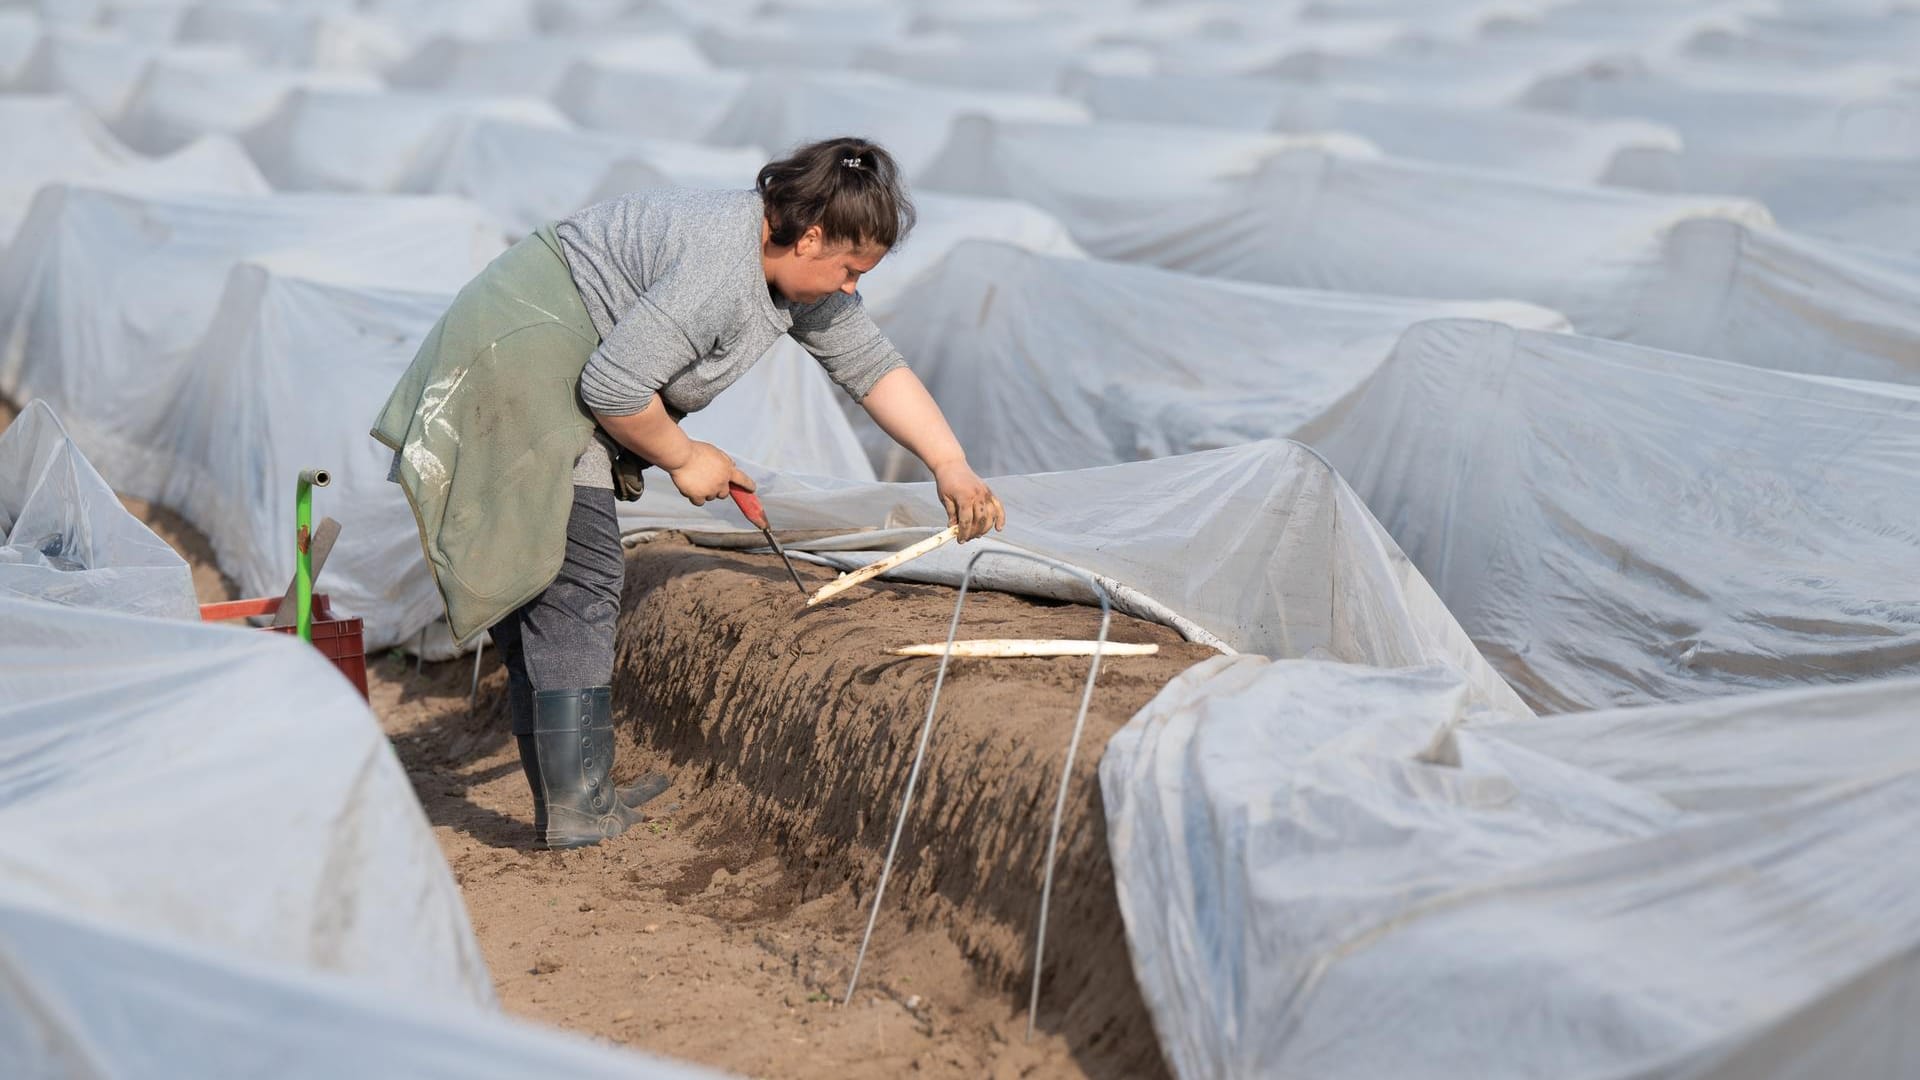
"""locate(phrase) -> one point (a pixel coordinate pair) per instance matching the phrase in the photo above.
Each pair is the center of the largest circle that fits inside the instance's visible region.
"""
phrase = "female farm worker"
(564, 369)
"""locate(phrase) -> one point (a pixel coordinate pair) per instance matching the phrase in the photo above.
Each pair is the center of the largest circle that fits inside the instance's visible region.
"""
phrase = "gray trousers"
(563, 638)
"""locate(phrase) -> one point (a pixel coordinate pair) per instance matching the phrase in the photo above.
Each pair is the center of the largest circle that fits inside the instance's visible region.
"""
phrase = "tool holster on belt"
(629, 480)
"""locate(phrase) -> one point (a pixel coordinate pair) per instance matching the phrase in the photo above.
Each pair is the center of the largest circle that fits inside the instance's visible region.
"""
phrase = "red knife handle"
(749, 505)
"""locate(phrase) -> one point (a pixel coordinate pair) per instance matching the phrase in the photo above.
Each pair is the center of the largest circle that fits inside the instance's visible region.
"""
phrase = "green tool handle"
(303, 556)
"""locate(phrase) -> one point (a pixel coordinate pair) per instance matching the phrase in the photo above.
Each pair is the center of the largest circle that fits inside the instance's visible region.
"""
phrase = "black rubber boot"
(520, 701)
(571, 771)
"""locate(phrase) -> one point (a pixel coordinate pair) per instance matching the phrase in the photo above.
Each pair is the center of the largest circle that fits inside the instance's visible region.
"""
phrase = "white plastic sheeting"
(19, 34)
(1481, 72)
(800, 41)
(181, 98)
(216, 866)
(1775, 299)
(1862, 201)
(51, 140)
(1113, 185)
(536, 67)
(96, 69)
(294, 38)
(1818, 34)
(203, 348)
(286, 378)
(949, 221)
(779, 111)
(1533, 143)
(1319, 215)
(529, 174)
(1251, 45)
(1047, 363)
(65, 538)
(1623, 526)
(1332, 583)
(1700, 274)
(245, 339)
(1628, 28)
(224, 788)
(323, 140)
(661, 105)
(1339, 871)
(1010, 66)
(418, 19)
(104, 291)
(1864, 121)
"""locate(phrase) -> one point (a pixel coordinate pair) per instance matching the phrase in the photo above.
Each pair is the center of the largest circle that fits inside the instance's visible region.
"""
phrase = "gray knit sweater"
(673, 282)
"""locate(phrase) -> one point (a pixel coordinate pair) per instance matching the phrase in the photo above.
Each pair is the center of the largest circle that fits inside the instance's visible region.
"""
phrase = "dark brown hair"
(849, 187)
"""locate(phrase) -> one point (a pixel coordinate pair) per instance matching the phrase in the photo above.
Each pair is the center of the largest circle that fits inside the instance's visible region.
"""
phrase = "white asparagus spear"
(1007, 647)
(905, 555)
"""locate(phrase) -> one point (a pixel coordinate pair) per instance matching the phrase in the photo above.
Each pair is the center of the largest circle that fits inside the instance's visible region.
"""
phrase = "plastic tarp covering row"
(1622, 526)
(1460, 71)
(658, 104)
(529, 174)
(1865, 201)
(51, 140)
(216, 866)
(1339, 871)
(19, 35)
(204, 350)
(1870, 120)
(65, 538)
(1041, 362)
(1002, 65)
(1701, 274)
(302, 844)
(182, 97)
(319, 140)
(1334, 585)
(1531, 143)
(538, 67)
(910, 119)
(99, 69)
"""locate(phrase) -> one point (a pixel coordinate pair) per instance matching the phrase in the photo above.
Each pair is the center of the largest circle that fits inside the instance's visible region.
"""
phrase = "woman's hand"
(970, 503)
(706, 474)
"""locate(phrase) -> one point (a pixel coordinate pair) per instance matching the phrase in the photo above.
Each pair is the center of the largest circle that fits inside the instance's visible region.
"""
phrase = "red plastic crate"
(340, 639)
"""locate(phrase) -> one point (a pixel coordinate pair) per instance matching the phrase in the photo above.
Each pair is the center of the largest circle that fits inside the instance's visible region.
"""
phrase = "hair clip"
(850, 162)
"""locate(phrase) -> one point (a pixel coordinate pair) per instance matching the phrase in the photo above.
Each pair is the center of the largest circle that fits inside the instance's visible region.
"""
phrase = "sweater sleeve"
(842, 336)
(649, 344)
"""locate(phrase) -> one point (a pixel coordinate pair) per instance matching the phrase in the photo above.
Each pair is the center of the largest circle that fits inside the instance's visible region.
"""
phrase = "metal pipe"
(303, 554)
(473, 691)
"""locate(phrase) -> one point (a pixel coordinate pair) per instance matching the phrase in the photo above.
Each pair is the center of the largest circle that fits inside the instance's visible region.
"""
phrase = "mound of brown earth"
(725, 930)
(817, 724)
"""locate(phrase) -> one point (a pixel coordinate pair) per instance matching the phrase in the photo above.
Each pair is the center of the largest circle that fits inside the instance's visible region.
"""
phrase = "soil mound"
(722, 671)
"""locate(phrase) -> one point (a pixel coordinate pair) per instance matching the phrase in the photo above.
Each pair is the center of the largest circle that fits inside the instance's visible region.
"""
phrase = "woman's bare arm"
(900, 404)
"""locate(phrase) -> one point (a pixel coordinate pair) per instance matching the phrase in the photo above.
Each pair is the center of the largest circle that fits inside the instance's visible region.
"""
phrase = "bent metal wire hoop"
(1066, 770)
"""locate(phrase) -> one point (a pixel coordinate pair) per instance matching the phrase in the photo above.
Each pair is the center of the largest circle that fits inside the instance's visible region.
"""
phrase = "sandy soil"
(723, 930)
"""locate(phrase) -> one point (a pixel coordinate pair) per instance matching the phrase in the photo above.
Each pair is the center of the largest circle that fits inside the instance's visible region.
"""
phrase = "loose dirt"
(723, 931)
